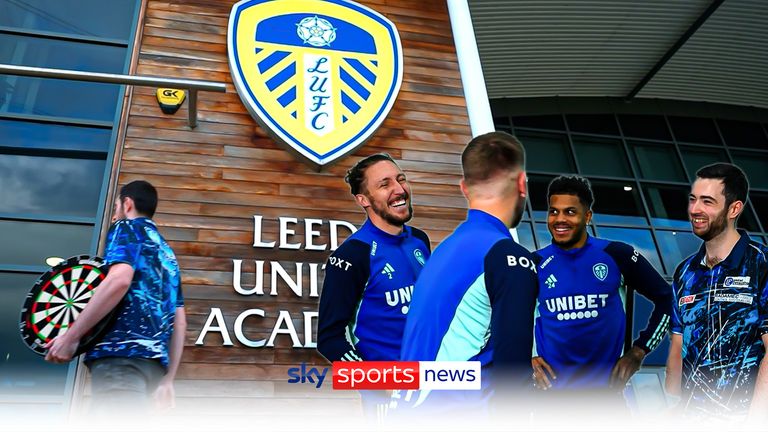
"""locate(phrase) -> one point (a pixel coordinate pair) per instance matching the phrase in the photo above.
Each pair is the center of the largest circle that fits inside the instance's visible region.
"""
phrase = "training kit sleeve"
(640, 275)
(346, 274)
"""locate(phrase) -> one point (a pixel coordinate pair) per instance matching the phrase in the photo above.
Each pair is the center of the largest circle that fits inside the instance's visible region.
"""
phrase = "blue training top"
(474, 300)
(145, 315)
(581, 313)
(722, 315)
(367, 293)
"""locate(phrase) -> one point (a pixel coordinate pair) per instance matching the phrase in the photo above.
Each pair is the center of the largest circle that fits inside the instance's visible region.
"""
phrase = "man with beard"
(474, 299)
(369, 279)
(720, 313)
(581, 312)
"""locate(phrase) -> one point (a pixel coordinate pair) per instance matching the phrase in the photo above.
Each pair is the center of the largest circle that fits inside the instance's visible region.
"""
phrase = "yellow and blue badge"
(319, 75)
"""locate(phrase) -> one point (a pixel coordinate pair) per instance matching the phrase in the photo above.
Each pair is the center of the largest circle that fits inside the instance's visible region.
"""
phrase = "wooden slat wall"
(213, 179)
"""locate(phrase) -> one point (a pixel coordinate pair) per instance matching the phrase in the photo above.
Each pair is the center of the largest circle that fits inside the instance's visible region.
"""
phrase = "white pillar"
(472, 79)
(475, 94)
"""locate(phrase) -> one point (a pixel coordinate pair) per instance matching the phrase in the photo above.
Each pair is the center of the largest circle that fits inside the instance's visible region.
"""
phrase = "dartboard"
(57, 299)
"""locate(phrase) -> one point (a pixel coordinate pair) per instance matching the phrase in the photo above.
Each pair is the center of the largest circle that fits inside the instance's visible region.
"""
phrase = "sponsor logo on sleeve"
(686, 300)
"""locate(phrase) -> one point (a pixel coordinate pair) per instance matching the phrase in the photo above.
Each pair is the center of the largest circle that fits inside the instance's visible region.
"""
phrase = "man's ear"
(362, 200)
(735, 209)
(128, 205)
(522, 184)
(464, 189)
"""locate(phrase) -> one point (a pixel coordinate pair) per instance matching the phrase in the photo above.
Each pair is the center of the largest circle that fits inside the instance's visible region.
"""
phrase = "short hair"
(736, 185)
(572, 185)
(144, 196)
(488, 154)
(356, 175)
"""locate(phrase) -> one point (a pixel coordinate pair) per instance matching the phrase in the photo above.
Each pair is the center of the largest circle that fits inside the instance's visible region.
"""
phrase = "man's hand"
(543, 374)
(165, 395)
(61, 349)
(627, 365)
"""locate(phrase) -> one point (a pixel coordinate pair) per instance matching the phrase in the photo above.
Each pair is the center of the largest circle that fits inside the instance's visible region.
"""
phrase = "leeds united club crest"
(320, 76)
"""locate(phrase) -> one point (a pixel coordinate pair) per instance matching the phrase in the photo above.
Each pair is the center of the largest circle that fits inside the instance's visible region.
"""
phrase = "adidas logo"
(551, 281)
(388, 270)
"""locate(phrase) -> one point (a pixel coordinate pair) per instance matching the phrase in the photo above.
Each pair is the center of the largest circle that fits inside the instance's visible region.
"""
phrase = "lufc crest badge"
(600, 270)
(319, 75)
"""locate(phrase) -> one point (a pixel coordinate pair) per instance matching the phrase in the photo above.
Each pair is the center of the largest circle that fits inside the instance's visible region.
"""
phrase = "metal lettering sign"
(319, 75)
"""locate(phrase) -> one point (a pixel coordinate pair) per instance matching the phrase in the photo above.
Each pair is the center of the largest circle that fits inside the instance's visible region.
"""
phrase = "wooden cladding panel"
(213, 179)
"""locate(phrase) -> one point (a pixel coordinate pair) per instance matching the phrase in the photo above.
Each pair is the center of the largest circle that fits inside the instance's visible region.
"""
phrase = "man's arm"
(673, 380)
(642, 277)
(346, 273)
(165, 394)
(105, 297)
(512, 285)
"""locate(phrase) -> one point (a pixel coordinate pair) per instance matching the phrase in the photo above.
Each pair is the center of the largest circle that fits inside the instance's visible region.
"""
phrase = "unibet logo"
(576, 307)
(170, 99)
(400, 296)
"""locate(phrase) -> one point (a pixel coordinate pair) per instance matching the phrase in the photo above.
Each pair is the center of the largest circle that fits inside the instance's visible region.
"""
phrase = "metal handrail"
(193, 86)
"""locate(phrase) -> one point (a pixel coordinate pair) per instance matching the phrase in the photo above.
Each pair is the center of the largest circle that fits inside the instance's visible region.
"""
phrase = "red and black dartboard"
(57, 299)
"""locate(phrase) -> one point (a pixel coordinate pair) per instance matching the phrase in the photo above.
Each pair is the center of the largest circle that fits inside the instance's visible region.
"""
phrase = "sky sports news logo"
(392, 375)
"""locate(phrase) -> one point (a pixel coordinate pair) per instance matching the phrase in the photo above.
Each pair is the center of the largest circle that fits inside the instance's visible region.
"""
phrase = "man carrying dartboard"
(136, 359)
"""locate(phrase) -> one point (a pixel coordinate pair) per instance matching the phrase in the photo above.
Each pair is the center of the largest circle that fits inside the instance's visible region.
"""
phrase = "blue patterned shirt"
(722, 314)
(145, 315)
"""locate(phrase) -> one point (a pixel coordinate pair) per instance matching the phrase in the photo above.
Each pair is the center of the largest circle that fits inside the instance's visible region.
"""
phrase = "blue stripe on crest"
(287, 97)
(352, 83)
(362, 70)
(272, 60)
(349, 103)
(282, 77)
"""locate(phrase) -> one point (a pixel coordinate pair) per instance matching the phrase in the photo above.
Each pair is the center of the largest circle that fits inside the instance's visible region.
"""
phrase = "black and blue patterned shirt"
(145, 315)
(721, 313)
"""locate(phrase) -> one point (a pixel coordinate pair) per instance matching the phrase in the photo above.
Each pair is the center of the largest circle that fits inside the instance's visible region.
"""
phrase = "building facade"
(252, 225)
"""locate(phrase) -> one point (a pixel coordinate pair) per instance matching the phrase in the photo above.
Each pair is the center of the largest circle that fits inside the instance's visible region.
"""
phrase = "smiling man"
(720, 314)
(369, 279)
(581, 313)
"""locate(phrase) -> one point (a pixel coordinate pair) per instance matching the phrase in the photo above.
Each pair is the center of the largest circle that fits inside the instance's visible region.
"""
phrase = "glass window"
(22, 372)
(537, 194)
(542, 232)
(754, 165)
(592, 123)
(50, 97)
(53, 136)
(675, 246)
(87, 18)
(525, 236)
(35, 185)
(644, 126)
(639, 238)
(539, 122)
(697, 157)
(694, 129)
(33, 242)
(743, 134)
(502, 124)
(547, 152)
(617, 202)
(657, 161)
(760, 202)
(602, 157)
(668, 205)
